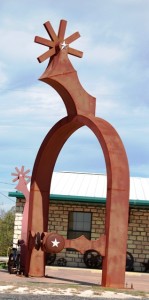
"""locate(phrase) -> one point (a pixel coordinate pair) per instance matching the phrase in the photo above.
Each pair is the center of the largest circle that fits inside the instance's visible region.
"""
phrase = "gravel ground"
(56, 297)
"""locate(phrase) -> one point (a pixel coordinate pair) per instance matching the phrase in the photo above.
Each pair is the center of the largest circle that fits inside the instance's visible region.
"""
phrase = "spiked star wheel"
(57, 42)
(21, 174)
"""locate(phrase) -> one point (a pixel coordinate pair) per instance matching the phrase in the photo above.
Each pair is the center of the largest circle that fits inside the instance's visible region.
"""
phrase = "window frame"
(86, 233)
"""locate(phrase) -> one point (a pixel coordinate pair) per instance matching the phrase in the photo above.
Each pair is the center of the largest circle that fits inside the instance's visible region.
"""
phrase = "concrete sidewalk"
(134, 281)
(64, 275)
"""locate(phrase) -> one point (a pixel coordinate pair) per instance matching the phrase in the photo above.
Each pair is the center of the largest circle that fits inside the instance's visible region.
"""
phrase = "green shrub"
(6, 230)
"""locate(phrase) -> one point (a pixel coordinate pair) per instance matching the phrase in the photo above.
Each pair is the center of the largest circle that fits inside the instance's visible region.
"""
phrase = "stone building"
(77, 206)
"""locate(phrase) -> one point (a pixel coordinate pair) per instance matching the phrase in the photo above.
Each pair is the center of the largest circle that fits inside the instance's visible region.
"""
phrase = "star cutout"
(63, 45)
(57, 42)
(55, 243)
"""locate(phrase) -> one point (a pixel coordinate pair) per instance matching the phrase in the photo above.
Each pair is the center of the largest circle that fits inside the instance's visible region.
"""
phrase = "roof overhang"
(83, 199)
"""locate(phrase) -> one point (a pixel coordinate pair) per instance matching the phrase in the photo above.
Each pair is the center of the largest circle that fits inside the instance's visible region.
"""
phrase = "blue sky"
(114, 69)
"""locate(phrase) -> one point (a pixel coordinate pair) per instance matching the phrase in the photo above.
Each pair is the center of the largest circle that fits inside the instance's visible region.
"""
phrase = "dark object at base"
(92, 259)
(50, 258)
(62, 262)
(146, 265)
(129, 261)
(37, 241)
(14, 262)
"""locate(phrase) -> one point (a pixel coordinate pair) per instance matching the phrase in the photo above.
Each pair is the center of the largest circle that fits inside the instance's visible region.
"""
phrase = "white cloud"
(3, 75)
(32, 102)
(106, 54)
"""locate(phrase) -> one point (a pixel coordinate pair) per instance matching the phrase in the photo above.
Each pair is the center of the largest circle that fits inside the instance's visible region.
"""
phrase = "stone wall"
(18, 221)
(138, 236)
(138, 229)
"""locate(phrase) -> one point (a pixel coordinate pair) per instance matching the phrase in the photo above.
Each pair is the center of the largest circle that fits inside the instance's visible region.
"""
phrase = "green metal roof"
(83, 199)
(91, 188)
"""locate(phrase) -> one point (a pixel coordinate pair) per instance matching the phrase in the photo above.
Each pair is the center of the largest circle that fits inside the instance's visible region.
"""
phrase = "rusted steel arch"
(117, 193)
(80, 107)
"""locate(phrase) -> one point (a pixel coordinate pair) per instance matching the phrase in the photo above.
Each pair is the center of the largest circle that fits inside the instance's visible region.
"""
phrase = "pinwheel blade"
(43, 41)
(72, 38)
(50, 31)
(15, 179)
(27, 171)
(17, 170)
(14, 174)
(46, 55)
(75, 52)
(62, 29)
(27, 176)
(22, 169)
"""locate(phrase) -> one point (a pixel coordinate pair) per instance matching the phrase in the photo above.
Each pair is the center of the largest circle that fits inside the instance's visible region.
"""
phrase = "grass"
(3, 265)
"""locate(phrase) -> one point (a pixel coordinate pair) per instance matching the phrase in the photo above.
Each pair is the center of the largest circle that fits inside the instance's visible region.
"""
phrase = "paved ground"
(69, 279)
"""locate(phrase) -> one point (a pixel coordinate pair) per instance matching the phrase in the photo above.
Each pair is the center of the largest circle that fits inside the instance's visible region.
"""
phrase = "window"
(79, 223)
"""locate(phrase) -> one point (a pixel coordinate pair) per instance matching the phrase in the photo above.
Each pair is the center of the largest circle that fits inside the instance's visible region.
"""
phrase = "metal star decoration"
(57, 42)
(55, 243)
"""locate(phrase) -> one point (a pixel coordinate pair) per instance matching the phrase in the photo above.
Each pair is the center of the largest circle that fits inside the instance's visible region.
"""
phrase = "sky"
(114, 69)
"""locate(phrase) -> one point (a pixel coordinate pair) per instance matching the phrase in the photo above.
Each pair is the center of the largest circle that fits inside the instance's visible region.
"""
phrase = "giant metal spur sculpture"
(80, 107)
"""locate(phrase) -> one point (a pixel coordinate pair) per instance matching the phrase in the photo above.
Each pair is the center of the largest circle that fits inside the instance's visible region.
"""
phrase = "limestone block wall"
(138, 236)
(18, 221)
(138, 229)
